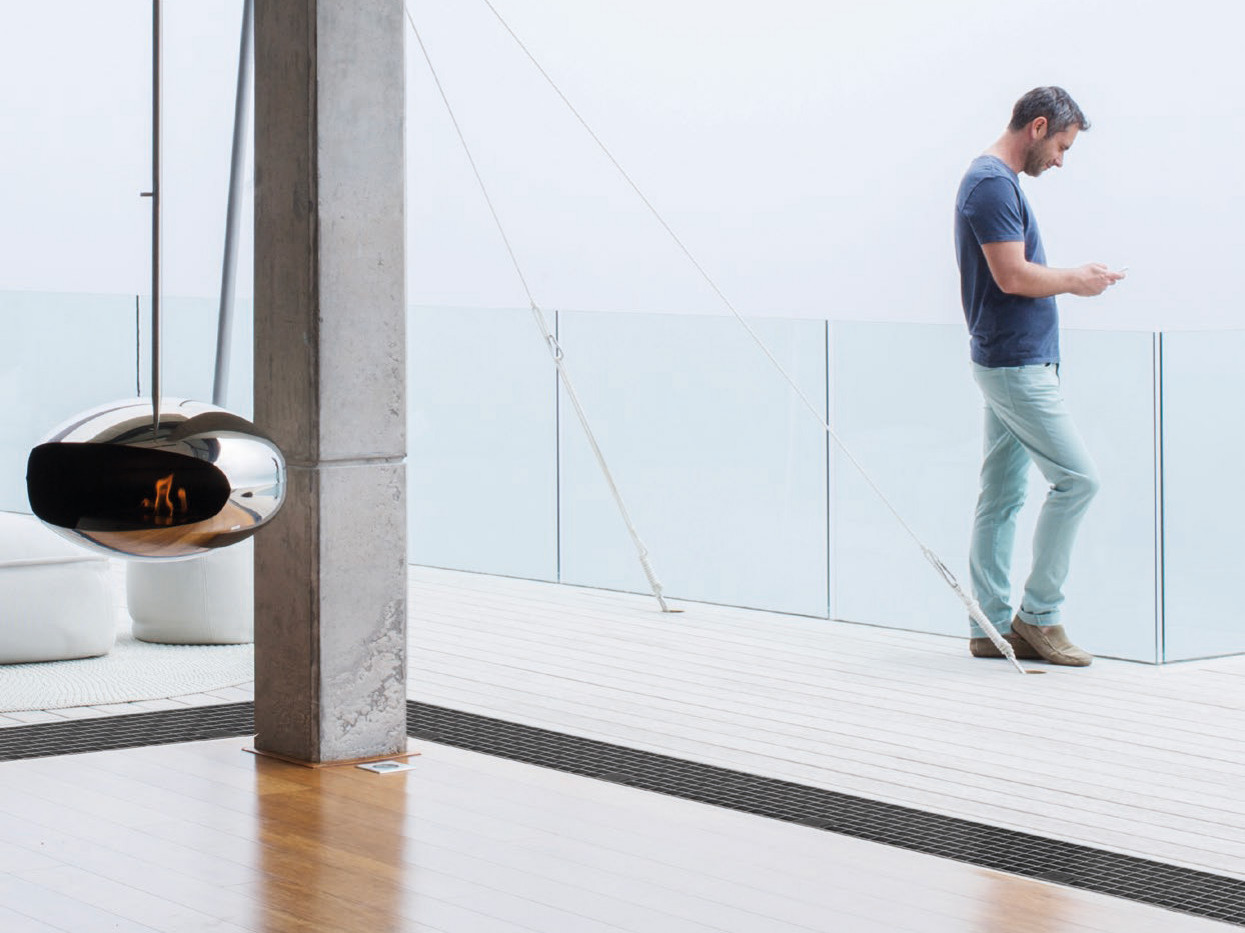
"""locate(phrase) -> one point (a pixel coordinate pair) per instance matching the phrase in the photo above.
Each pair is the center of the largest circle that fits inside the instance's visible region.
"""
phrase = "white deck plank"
(773, 687)
(1126, 756)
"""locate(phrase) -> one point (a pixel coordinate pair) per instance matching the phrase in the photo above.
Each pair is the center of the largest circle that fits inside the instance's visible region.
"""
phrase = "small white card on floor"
(386, 767)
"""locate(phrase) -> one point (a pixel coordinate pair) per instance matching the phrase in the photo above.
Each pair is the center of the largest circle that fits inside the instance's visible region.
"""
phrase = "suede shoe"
(1051, 642)
(983, 647)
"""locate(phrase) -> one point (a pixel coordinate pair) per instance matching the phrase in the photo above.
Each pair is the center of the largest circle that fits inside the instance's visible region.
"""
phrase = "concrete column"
(330, 348)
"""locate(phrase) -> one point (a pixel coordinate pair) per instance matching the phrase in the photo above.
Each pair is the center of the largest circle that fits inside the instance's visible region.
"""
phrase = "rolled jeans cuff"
(976, 631)
(1040, 618)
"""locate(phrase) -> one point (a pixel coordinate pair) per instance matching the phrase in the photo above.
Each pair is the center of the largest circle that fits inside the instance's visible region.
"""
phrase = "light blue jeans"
(1026, 420)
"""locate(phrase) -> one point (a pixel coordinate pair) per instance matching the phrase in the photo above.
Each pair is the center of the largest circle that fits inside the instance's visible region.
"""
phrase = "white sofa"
(56, 600)
(206, 600)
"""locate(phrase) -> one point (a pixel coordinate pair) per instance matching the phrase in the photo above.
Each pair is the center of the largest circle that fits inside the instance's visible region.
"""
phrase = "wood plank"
(1008, 766)
(1124, 755)
(131, 903)
(890, 677)
(777, 638)
(468, 843)
(60, 910)
(660, 676)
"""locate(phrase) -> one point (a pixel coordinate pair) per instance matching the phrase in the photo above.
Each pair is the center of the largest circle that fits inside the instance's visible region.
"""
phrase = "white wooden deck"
(1139, 759)
(1130, 757)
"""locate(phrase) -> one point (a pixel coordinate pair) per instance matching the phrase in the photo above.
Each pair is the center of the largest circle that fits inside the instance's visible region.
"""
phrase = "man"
(1009, 293)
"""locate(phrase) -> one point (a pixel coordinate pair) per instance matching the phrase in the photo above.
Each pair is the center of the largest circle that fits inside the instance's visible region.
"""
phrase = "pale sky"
(807, 152)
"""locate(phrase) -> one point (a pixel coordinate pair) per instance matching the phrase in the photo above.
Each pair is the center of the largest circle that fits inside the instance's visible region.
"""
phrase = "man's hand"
(1093, 279)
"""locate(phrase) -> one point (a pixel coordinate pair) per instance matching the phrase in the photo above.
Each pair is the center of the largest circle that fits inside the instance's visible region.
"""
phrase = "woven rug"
(133, 670)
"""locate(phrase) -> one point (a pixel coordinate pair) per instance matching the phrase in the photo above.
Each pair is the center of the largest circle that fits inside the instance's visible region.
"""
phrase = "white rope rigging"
(555, 349)
(970, 603)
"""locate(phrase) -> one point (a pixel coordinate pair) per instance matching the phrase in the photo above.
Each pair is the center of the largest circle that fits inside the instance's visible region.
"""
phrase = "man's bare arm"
(1015, 275)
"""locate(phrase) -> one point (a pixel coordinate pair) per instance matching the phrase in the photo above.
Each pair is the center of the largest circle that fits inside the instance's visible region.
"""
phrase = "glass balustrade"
(736, 490)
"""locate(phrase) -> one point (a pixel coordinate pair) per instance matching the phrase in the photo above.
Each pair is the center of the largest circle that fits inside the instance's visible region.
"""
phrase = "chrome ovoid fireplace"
(115, 480)
(159, 478)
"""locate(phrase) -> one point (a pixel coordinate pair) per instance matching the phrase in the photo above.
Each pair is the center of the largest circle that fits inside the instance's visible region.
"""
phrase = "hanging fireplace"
(154, 478)
(112, 480)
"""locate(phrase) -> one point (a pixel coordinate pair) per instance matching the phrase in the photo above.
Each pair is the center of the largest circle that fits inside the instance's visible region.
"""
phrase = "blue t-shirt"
(1007, 330)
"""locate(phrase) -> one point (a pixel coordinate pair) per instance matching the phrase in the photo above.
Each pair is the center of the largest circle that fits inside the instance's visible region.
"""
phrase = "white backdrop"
(807, 151)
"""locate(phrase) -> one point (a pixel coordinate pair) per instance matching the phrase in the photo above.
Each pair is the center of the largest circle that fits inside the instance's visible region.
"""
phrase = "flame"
(162, 508)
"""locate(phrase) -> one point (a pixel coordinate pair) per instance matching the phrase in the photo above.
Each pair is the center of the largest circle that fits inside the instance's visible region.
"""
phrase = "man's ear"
(1038, 127)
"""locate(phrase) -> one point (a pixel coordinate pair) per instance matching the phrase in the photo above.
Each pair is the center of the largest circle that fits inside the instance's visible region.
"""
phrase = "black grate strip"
(1149, 882)
(132, 730)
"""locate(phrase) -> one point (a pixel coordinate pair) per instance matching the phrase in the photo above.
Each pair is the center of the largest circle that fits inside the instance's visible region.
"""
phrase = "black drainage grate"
(1148, 882)
(1005, 850)
(102, 734)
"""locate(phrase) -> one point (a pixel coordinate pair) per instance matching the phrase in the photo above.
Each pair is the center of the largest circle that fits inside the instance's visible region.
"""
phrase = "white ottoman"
(56, 599)
(206, 600)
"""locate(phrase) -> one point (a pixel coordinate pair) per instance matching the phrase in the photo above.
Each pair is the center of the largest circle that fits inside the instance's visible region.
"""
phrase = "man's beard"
(1035, 161)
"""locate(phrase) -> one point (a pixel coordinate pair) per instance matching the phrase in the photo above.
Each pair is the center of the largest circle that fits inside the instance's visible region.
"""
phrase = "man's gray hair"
(1053, 103)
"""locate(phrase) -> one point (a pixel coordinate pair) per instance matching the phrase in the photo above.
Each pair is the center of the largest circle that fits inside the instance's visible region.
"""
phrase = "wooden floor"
(1136, 758)
(206, 837)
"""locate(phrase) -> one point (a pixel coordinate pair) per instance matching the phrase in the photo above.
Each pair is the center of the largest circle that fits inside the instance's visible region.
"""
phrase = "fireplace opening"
(100, 487)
